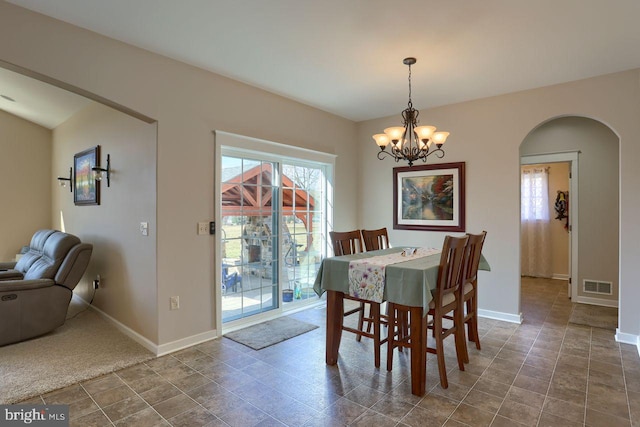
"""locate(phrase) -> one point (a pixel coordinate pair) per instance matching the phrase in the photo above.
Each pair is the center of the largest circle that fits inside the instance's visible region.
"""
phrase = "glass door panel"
(249, 236)
(303, 196)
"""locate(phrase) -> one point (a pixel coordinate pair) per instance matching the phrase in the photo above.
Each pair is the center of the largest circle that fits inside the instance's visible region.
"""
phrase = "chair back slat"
(450, 269)
(472, 256)
(346, 242)
(375, 239)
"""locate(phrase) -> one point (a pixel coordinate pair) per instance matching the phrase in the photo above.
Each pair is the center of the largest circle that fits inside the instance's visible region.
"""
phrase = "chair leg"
(374, 313)
(461, 342)
(403, 327)
(471, 334)
(360, 320)
(391, 334)
(474, 322)
(462, 326)
(437, 329)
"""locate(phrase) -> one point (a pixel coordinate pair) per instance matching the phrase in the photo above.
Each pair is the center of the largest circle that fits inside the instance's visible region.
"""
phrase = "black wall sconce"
(99, 172)
(63, 181)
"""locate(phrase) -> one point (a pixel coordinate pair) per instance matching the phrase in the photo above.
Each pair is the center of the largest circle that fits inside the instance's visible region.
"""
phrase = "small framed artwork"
(86, 188)
(429, 197)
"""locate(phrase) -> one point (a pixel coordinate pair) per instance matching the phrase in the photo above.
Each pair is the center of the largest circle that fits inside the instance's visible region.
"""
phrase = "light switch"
(203, 228)
(144, 228)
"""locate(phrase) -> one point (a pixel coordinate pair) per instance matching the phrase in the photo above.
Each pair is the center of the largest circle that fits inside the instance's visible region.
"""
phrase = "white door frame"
(572, 158)
(270, 151)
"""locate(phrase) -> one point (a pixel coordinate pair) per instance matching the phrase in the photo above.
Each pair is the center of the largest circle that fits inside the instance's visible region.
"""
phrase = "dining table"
(408, 284)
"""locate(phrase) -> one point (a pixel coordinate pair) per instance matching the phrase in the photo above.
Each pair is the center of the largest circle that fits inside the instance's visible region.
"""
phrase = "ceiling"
(345, 57)
(36, 101)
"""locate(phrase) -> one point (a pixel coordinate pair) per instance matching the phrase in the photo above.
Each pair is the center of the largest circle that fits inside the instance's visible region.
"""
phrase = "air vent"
(597, 287)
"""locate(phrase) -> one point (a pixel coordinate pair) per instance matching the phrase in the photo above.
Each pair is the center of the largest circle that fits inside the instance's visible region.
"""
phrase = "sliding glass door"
(273, 231)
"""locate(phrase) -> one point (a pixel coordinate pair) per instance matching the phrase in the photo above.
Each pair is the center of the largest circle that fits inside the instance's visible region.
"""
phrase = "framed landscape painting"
(86, 188)
(429, 197)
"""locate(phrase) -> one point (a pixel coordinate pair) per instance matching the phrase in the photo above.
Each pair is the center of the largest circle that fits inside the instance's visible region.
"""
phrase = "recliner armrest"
(10, 275)
(7, 265)
(24, 285)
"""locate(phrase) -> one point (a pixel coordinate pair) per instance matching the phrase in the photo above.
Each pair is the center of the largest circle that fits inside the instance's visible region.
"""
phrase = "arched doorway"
(592, 148)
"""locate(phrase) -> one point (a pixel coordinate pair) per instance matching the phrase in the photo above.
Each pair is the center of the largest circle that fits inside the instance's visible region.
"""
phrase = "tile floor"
(544, 372)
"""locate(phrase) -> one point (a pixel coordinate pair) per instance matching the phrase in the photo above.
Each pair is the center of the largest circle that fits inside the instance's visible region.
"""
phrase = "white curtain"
(535, 253)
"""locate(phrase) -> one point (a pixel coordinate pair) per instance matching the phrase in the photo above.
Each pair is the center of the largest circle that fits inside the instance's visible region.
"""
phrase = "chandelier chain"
(410, 103)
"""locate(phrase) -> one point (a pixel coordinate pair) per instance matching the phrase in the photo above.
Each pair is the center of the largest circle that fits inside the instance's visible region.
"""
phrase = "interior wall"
(558, 181)
(486, 134)
(188, 103)
(26, 176)
(122, 256)
(598, 181)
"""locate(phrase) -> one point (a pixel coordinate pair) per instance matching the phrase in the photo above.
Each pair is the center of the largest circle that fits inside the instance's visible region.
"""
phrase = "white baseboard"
(146, 343)
(498, 315)
(597, 301)
(559, 276)
(158, 350)
(623, 337)
(182, 343)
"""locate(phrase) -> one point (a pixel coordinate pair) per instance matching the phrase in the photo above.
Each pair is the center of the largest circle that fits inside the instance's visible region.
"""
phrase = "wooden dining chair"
(445, 301)
(375, 239)
(469, 289)
(347, 243)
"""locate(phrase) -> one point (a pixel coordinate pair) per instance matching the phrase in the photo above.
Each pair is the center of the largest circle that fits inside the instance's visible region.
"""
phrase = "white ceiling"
(37, 102)
(345, 56)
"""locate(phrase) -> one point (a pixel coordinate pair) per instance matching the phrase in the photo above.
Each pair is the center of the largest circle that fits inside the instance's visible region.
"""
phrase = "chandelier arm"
(439, 152)
(383, 153)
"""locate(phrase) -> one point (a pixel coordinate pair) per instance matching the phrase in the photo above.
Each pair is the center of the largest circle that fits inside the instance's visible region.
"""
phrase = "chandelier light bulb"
(424, 132)
(382, 139)
(395, 133)
(440, 137)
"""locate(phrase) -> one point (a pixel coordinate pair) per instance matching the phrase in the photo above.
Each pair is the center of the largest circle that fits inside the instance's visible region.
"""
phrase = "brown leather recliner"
(35, 292)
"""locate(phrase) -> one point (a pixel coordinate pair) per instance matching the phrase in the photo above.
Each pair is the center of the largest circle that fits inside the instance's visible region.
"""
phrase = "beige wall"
(124, 259)
(26, 177)
(558, 181)
(486, 134)
(188, 104)
(598, 175)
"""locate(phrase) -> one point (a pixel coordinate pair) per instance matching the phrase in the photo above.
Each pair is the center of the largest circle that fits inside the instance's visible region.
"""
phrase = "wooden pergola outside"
(251, 194)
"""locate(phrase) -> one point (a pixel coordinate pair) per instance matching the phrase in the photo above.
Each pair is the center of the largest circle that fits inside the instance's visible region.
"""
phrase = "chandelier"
(410, 142)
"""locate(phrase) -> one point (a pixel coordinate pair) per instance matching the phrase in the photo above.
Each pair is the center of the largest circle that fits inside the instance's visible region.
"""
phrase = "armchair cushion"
(55, 250)
(36, 248)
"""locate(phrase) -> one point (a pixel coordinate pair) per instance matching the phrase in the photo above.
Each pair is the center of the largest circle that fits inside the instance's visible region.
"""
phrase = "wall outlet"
(144, 228)
(174, 303)
(96, 282)
(203, 228)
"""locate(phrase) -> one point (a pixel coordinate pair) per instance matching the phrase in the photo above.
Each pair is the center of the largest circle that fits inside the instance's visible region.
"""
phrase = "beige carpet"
(595, 316)
(85, 347)
(269, 333)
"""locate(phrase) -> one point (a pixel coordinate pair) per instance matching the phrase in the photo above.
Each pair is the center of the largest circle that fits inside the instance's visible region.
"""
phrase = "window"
(535, 194)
